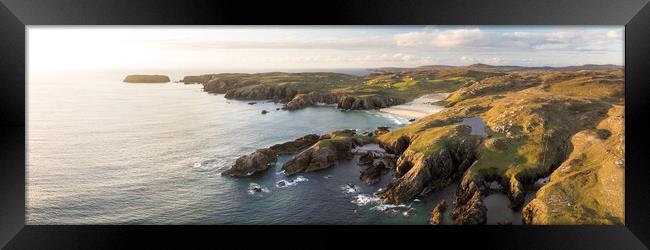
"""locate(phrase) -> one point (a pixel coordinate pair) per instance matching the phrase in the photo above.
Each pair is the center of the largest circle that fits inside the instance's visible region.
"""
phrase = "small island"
(146, 79)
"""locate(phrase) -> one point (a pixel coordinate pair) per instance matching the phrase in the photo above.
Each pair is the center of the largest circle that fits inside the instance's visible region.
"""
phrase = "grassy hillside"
(535, 121)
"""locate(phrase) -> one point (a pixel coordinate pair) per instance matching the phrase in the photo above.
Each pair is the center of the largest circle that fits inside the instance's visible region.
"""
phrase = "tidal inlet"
(437, 125)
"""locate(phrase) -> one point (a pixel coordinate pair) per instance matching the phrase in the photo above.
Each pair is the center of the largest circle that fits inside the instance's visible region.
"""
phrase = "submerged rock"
(254, 188)
(409, 212)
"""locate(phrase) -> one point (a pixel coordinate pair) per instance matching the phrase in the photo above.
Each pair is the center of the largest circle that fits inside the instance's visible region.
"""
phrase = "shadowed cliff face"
(424, 167)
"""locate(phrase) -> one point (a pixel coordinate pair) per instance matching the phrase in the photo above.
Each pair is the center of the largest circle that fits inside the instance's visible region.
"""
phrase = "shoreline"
(418, 108)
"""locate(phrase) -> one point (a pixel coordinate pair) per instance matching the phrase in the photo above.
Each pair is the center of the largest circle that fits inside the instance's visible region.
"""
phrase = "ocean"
(100, 151)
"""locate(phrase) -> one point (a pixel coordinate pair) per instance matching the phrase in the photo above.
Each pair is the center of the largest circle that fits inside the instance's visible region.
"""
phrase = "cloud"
(475, 38)
(438, 38)
(356, 43)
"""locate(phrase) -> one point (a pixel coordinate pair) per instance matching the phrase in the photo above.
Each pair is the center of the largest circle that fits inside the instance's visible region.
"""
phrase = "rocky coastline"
(564, 126)
(533, 130)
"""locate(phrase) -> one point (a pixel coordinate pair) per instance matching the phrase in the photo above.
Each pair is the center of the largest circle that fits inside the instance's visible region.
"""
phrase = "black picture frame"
(15, 15)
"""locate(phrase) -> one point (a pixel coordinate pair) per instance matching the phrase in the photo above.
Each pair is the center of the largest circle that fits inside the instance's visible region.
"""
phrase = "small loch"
(476, 123)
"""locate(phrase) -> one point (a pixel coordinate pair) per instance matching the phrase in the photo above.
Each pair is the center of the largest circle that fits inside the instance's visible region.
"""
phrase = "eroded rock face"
(378, 164)
(262, 159)
(469, 208)
(296, 145)
(438, 213)
(259, 160)
(420, 174)
(261, 92)
(321, 155)
(398, 147)
(326, 152)
(372, 173)
(305, 100)
(372, 102)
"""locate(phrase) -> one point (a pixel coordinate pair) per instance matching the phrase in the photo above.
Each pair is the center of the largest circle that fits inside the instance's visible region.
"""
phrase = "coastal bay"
(458, 124)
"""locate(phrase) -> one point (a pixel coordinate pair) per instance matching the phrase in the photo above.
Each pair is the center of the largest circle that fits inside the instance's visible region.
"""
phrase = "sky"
(54, 48)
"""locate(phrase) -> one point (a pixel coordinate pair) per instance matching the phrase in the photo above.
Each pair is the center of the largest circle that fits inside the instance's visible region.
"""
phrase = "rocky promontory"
(262, 159)
(146, 79)
(314, 153)
(299, 90)
(326, 152)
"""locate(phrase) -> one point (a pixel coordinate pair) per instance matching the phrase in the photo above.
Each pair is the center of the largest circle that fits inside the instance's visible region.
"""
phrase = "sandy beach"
(418, 108)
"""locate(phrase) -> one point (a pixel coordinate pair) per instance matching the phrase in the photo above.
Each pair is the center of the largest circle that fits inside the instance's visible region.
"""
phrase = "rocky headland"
(348, 92)
(564, 124)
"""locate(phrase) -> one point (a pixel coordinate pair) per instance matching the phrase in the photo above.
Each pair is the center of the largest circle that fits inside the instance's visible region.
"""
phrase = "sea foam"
(288, 183)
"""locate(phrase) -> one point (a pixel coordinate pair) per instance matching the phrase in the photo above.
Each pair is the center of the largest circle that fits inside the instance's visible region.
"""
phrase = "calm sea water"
(100, 151)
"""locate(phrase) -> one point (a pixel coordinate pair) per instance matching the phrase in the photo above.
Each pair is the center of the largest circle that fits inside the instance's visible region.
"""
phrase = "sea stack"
(146, 79)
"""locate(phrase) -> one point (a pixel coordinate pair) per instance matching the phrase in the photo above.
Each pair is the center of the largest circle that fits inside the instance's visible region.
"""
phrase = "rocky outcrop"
(438, 213)
(372, 174)
(261, 159)
(365, 103)
(309, 99)
(261, 92)
(378, 163)
(396, 147)
(422, 172)
(146, 79)
(381, 130)
(343, 102)
(469, 208)
(296, 145)
(196, 79)
(325, 153)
